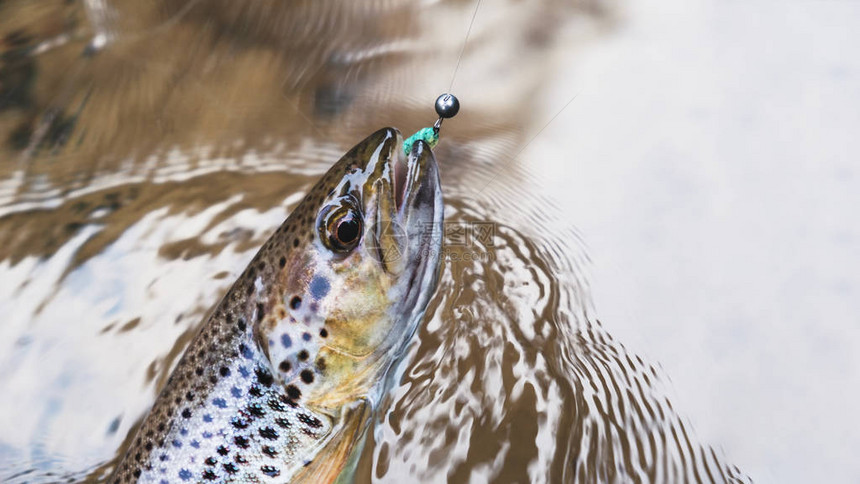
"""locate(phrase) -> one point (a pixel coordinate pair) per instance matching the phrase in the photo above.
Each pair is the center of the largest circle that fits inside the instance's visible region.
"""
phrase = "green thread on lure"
(447, 106)
(428, 135)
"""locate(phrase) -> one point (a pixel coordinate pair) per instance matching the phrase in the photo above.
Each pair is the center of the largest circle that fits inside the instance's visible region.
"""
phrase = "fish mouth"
(412, 178)
(405, 213)
(417, 188)
(421, 213)
(406, 223)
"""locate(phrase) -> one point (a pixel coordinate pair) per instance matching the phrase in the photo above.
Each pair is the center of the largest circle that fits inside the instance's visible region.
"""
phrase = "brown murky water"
(147, 149)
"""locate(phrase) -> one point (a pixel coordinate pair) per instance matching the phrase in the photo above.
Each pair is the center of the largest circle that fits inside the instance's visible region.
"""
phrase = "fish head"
(354, 287)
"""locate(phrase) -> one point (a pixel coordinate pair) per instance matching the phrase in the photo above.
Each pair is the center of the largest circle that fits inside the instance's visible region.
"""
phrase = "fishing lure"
(447, 106)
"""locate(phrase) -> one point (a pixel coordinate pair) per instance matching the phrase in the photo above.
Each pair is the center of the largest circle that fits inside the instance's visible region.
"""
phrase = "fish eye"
(341, 226)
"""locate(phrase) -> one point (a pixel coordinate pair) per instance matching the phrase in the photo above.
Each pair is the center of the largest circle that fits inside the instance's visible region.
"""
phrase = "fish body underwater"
(278, 384)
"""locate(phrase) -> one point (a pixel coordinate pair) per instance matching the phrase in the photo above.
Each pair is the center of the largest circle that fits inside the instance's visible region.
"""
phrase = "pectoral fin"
(336, 461)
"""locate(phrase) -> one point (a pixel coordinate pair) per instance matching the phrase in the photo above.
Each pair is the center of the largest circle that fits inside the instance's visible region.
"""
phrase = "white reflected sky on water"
(82, 383)
(711, 162)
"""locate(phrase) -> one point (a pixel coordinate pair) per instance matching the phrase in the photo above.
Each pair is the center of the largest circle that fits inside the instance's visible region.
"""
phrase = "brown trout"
(278, 384)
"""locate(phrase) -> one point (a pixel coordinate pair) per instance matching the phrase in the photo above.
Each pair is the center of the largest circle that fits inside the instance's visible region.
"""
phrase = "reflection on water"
(147, 149)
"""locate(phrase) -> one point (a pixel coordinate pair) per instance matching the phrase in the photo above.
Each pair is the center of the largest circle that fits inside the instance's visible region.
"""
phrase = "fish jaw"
(422, 215)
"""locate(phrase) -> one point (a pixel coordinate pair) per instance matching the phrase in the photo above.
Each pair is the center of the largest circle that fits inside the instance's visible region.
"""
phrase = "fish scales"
(307, 331)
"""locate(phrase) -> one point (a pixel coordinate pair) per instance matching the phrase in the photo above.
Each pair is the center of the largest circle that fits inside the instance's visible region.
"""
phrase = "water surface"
(148, 149)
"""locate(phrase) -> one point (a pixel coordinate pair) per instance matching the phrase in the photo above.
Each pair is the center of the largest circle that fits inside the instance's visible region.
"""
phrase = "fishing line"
(451, 87)
(447, 105)
(513, 158)
(463, 49)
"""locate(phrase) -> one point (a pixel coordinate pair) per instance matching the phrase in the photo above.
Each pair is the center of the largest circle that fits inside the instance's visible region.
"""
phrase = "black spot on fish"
(282, 422)
(260, 312)
(287, 400)
(231, 468)
(295, 302)
(186, 413)
(148, 446)
(264, 377)
(209, 475)
(303, 355)
(224, 371)
(241, 325)
(189, 396)
(310, 421)
(321, 364)
(275, 405)
(136, 473)
(270, 471)
(198, 371)
(256, 409)
(213, 379)
(239, 423)
(223, 450)
(285, 366)
(240, 459)
(269, 451)
(294, 392)
(324, 333)
(241, 441)
(307, 376)
(255, 391)
(296, 242)
(268, 433)
(211, 461)
(282, 262)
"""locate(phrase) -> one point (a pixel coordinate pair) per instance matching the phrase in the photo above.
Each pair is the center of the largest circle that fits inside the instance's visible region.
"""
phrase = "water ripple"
(137, 179)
